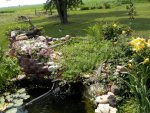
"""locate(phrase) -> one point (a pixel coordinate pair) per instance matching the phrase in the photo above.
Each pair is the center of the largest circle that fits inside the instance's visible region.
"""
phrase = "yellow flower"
(145, 61)
(115, 25)
(148, 43)
(130, 66)
(123, 32)
(138, 44)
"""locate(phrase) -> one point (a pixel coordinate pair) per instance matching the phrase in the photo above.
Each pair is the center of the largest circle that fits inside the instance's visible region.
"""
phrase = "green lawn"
(79, 20)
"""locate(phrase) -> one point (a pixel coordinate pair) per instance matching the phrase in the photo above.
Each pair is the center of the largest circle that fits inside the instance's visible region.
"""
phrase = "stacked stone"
(106, 103)
(29, 64)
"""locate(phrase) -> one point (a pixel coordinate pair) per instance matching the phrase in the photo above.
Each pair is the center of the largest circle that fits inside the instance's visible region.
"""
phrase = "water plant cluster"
(12, 102)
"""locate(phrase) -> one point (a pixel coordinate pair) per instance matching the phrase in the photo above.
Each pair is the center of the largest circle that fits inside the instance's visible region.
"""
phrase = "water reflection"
(56, 104)
(52, 104)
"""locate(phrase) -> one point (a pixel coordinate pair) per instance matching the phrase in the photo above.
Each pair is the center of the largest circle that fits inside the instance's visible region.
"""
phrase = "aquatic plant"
(11, 102)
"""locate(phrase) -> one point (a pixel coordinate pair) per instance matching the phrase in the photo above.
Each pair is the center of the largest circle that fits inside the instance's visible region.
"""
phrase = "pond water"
(58, 104)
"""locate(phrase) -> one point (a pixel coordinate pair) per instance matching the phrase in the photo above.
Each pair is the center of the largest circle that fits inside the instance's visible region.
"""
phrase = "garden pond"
(53, 103)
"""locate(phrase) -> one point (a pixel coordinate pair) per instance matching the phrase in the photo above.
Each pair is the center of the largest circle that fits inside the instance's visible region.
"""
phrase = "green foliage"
(124, 1)
(99, 7)
(107, 5)
(95, 31)
(121, 54)
(7, 11)
(70, 3)
(49, 6)
(128, 106)
(112, 31)
(131, 11)
(9, 68)
(109, 31)
(11, 101)
(93, 7)
(84, 7)
(139, 68)
(83, 56)
(21, 27)
(138, 79)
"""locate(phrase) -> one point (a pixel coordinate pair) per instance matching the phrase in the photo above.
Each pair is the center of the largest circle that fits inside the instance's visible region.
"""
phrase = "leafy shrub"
(85, 8)
(124, 1)
(7, 11)
(107, 5)
(95, 31)
(93, 7)
(99, 7)
(113, 31)
(108, 31)
(9, 68)
(20, 27)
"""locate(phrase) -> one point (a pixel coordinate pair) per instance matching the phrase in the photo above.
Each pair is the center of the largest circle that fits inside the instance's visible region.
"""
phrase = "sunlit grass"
(78, 20)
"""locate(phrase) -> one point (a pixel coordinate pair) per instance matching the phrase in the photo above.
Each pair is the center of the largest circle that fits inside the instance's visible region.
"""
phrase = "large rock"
(121, 69)
(41, 39)
(21, 37)
(102, 99)
(113, 110)
(102, 108)
(115, 89)
(112, 100)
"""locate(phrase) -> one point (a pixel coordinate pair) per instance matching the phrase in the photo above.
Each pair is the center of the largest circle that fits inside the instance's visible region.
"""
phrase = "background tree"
(62, 6)
(49, 6)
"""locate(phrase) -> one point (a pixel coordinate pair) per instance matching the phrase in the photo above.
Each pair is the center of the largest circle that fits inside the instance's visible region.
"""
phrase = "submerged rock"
(13, 110)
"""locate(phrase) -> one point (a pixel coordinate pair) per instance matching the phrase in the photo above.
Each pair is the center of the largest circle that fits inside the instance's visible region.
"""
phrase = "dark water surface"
(57, 104)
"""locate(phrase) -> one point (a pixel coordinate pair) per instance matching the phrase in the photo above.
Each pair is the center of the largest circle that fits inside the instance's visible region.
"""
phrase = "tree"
(62, 6)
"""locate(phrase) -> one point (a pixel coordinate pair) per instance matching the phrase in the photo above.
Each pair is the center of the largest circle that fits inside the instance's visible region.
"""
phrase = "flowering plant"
(139, 68)
(33, 48)
(141, 49)
(113, 31)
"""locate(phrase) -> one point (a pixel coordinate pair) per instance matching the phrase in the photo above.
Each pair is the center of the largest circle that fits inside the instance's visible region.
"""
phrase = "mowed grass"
(8, 20)
(81, 20)
(78, 20)
(96, 2)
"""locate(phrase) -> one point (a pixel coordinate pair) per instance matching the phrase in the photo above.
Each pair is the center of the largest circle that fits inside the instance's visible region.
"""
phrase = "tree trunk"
(61, 6)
